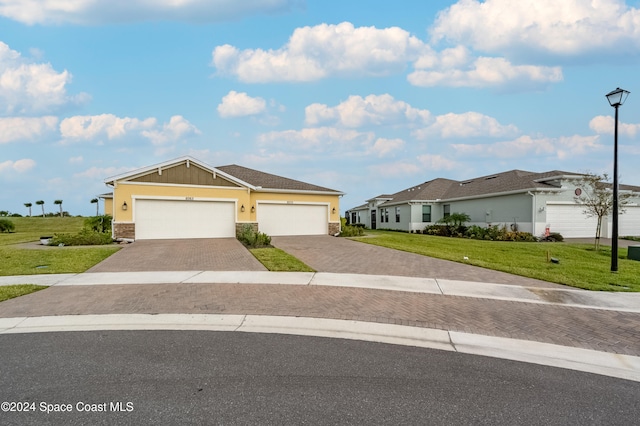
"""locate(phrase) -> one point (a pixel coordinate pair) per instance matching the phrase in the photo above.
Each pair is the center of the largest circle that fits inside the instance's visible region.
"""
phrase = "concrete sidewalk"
(624, 302)
(587, 331)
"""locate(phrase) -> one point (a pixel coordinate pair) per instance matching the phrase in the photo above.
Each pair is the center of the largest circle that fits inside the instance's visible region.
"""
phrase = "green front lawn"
(54, 260)
(11, 291)
(32, 228)
(580, 266)
(275, 259)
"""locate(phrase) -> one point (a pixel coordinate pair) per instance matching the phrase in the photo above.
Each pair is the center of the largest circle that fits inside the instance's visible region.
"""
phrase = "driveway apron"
(340, 255)
(205, 254)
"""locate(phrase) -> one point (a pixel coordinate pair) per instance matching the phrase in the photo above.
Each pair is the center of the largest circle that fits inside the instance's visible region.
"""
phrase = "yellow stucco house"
(185, 198)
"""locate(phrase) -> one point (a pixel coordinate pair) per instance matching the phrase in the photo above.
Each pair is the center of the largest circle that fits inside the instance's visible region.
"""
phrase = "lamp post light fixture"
(616, 98)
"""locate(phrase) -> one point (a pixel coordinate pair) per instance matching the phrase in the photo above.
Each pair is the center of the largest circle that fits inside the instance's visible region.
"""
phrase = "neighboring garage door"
(171, 219)
(570, 221)
(629, 222)
(292, 219)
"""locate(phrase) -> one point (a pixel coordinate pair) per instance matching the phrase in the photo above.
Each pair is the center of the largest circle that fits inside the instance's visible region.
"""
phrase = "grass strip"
(275, 259)
(55, 260)
(579, 264)
(10, 291)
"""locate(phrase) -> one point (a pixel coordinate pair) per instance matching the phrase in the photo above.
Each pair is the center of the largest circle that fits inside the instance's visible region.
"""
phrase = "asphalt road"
(169, 377)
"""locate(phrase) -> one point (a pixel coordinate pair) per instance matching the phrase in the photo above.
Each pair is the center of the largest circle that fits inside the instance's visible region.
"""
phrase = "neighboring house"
(531, 202)
(185, 198)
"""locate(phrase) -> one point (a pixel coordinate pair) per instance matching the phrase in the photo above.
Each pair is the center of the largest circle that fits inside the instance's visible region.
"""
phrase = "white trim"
(135, 198)
(174, 162)
(298, 191)
(180, 185)
(293, 202)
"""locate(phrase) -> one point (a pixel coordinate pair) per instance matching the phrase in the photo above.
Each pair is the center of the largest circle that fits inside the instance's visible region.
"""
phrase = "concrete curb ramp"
(613, 365)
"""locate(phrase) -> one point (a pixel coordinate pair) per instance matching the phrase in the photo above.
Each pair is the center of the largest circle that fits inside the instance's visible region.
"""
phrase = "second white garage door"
(173, 219)
(629, 222)
(570, 221)
(292, 219)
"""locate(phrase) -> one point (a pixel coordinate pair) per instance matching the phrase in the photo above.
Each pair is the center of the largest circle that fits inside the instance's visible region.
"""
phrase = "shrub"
(352, 231)
(438, 230)
(6, 225)
(86, 237)
(98, 223)
(250, 238)
(552, 237)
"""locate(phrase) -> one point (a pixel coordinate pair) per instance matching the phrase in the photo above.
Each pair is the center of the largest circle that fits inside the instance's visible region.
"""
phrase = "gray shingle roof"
(269, 181)
(513, 180)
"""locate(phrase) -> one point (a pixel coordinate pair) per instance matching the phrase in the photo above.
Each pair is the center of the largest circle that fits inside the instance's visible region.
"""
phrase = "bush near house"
(6, 225)
(492, 233)
(96, 231)
(352, 231)
(253, 239)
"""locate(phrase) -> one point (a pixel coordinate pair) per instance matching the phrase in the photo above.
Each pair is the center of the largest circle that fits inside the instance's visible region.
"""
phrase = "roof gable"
(184, 173)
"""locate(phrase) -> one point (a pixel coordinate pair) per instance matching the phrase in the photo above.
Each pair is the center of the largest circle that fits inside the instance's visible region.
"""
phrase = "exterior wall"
(108, 206)
(126, 192)
(405, 217)
(124, 230)
(501, 210)
(332, 202)
(239, 226)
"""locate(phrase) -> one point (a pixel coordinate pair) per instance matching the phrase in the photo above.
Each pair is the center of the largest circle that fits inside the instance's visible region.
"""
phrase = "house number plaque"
(188, 198)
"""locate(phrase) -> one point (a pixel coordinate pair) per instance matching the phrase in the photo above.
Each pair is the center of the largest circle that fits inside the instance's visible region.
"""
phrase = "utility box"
(633, 253)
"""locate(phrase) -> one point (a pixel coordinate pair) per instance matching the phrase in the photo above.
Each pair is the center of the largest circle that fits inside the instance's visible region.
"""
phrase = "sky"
(365, 97)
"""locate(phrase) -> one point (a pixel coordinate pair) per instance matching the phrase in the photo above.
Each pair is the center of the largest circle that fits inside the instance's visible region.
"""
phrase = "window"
(397, 214)
(426, 213)
(353, 217)
(446, 210)
(386, 215)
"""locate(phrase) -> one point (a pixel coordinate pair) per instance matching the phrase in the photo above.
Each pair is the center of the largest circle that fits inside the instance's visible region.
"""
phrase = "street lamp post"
(616, 98)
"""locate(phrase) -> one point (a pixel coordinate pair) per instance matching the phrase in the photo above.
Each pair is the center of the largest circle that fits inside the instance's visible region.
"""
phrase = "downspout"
(533, 213)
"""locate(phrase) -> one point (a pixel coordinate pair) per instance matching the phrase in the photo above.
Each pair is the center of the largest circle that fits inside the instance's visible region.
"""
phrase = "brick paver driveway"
(340, 255)
(205, 254)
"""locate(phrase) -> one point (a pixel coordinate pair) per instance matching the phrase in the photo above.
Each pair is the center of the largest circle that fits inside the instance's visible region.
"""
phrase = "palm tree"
(28, 205)
(59, 202)
(41, 204)
(95, 201)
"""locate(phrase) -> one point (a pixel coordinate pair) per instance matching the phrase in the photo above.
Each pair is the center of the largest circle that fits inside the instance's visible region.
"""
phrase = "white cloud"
(387, 147)
(437, 162)
(313, 53)
(25, 128)
(89, 127)
(559, 28)
(318, 140)
(101, 173)
(482, 72)
(76, 160)
(466, 125)
(177, 128)
(357, 111)
(562, 147)
(605, 125)
(395, 169)
(236, 104)
(19, 166)
(27, 87)
(97, 12)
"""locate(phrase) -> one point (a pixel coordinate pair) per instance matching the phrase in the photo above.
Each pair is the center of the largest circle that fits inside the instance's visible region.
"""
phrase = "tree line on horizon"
(41, 203)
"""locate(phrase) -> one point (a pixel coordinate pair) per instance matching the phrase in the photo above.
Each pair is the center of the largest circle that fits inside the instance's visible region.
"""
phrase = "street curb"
(585, 360)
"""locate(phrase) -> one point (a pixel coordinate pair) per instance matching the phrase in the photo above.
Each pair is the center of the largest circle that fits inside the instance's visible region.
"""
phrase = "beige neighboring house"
(186, 198)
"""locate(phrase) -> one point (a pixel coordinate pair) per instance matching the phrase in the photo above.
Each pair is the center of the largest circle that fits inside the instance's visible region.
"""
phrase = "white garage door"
(171, 219)
(570, 221)
(629, 222)
(292, 219)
